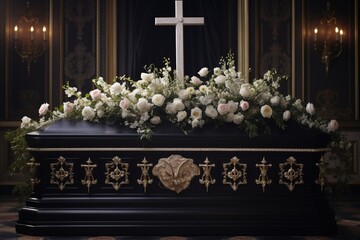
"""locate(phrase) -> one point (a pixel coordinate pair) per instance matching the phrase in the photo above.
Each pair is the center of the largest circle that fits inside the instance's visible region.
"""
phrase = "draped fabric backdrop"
(140, 42)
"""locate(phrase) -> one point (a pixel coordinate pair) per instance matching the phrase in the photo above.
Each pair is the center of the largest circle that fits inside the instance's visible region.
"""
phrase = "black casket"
(94, 179)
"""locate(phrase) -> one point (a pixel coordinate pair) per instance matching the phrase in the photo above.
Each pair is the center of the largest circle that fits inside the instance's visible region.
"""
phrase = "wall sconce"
(29, 38)
(328, 38)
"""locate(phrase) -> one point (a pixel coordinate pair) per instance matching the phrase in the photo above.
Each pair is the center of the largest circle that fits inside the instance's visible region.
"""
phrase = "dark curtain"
(141, 43)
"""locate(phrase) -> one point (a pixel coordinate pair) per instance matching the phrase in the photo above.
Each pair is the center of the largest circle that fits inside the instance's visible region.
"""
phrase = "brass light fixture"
(328, 38)
(29, 38)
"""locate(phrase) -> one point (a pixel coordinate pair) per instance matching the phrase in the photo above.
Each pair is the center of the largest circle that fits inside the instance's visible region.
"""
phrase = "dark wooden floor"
(347, 209)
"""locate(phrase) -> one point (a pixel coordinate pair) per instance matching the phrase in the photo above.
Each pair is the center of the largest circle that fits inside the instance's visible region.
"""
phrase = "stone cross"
(179, 21)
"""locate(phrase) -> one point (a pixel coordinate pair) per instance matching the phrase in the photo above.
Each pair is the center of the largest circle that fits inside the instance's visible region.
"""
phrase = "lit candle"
(315, 35)
(336, 33)
(341, 34)
(32, 33)
(15, 31)
(44, 33)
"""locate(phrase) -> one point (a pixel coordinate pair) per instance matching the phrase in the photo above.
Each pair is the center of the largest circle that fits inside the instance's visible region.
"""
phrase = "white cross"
(179, 21)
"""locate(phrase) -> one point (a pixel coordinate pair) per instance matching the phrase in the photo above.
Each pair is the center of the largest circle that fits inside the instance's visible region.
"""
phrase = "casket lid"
(77, 133)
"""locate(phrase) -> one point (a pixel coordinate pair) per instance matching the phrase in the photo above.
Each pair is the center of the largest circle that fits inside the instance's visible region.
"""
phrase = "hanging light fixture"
(328, 38)
(29, 38)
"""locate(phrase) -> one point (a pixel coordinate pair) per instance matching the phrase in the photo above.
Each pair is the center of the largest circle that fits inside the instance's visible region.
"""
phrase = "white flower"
(100, 113)
(245, 90)
(183, 94)
(190, 90)
(203, 88)
(124, 103)
(25, 122)
(203, 72)
(205, 100)
(233, 106)
(44, 108)
(158, 100)
(143, 105)
(196, 81)
(333, 125)
(244, 105)
(88, 113)
(310, 108)
(181, 116)
(195, 123)
(68, 107)
(196, 113)
(238, 118)
(155, 120)
(170, 108)
(223, 108)
(220, 79)
(148, 77)
(95, 94)
(275, 100)
(116, 88)
(178, 104)
(286, 115)
(266, 111)
(217, 71)
(211, 112)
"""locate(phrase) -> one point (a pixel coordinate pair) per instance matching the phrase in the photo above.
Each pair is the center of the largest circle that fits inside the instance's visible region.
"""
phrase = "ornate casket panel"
(93, 179)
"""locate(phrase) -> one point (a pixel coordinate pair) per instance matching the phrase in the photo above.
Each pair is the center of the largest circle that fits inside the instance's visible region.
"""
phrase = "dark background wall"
(85, 34)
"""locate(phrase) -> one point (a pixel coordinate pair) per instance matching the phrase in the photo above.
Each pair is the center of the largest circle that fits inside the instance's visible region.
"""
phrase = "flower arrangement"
(210, 97)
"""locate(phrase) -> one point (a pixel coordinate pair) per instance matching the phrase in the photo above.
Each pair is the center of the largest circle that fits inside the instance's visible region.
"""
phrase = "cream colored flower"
(158, 100)
(266, 111)
(196, 113)
(88, 113)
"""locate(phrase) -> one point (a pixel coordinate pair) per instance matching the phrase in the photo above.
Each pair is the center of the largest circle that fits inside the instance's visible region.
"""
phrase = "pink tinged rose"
(95, 94)
(310, 108)
(88, 113)
(68, 107)
(286, 115)
(244, 105)
(124, 104)
(223, 108)
(44, 108)
(333, 125)
(266, 111)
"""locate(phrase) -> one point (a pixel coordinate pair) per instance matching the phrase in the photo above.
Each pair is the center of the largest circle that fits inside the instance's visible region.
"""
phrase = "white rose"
(88, 113)
(183, 94)
(178, 104)
(205, 100)
(266, 111)
(333, 125)
(245, 90)
(203, 72)
(68, 107)
(286, 115)
(275, 100)
(44, 108)
(220, 79)
(310, 108)
(155, 120)
(217, 71)
(143, 105)
(100, 113)
(25, 122)
(95, 94)
(148, 77)
(196, 113)
(158, 100)
(244, 105)
(238, 118)
(181, 116)
(195, 123)
(223, 108)
(233, 106)
(196, 81)
(116, 88)
(211, 112)
(124, 103)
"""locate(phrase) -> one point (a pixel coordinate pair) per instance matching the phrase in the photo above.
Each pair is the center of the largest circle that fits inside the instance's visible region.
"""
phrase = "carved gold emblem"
(263, 178)
(89, 178)
(234, 173)
(322, 178)
(33, 165)
(62, 173)
(206, 178)
(116, 173)
(291, 173)
(145, 177)
(176, 172)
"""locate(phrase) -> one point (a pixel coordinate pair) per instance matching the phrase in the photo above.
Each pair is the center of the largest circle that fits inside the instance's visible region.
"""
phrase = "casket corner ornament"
(176, 172)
